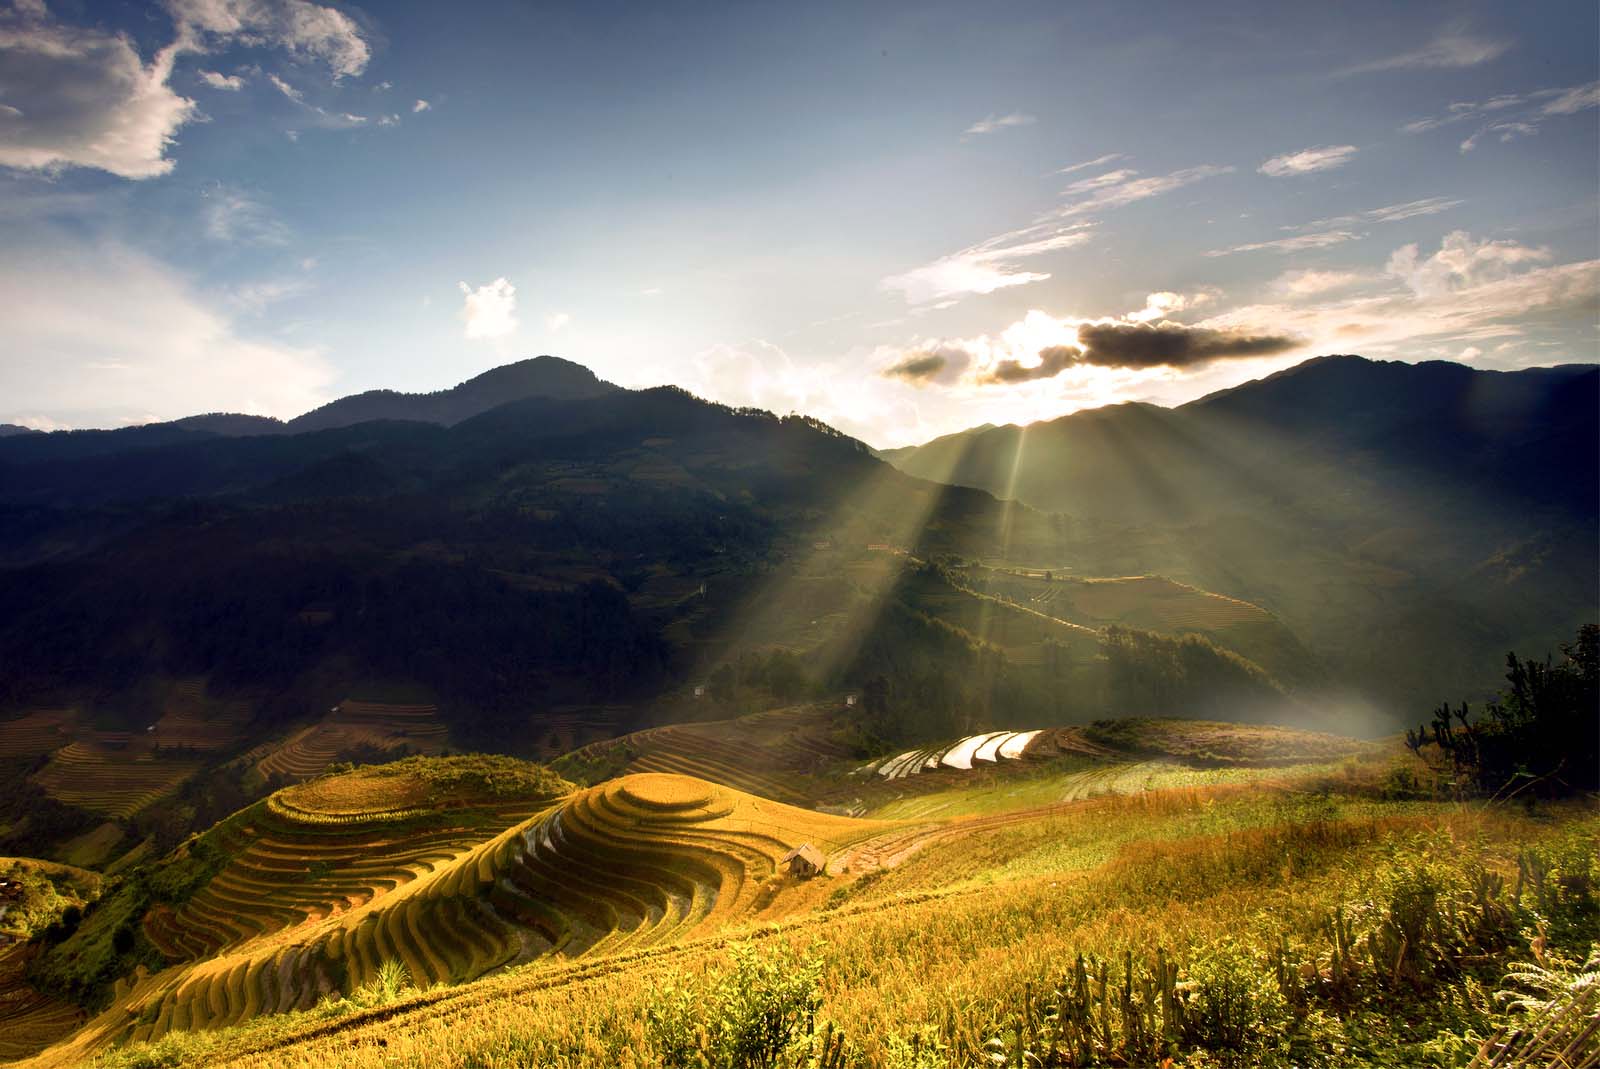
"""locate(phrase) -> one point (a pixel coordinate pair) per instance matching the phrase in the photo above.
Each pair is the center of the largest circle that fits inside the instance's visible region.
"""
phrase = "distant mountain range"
(541, 376)
(1401, 525)
(1322, 431)
(1407, 520)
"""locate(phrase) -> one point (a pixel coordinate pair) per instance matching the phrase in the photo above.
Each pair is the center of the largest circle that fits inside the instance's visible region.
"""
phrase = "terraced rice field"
(297, 859)
(190, 722)
(765, 753)
(29, 1021)
(1165, 604)
(38, 732)
(561, 733)
(1117, 777)
(103, 779)
(352, 725)
(632, 863)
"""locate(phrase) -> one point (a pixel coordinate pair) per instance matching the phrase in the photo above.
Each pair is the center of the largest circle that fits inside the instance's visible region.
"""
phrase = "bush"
(1232, 1006)
(746, 1017)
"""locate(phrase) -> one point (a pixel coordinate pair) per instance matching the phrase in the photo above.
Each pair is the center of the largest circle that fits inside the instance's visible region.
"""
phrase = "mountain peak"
(539, 376)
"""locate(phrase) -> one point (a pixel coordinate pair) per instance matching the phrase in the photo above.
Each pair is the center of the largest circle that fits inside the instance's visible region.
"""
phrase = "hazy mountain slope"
(1270, 444)
(1409, 521)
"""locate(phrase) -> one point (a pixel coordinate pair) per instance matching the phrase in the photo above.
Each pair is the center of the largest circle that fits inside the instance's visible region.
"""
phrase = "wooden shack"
(804, 861)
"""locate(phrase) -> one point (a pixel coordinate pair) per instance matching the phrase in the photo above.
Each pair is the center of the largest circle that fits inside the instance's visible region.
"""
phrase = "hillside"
(196, 619)
(460, 911)
(1406, 521)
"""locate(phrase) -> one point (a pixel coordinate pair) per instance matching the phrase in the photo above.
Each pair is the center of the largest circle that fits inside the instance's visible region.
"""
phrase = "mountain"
(1341, 546)
(1388, 426)
(1405, 519)
(11, 430)
(542, 376)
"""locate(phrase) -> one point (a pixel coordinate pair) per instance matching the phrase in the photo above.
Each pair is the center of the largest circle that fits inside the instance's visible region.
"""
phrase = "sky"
(901, 219)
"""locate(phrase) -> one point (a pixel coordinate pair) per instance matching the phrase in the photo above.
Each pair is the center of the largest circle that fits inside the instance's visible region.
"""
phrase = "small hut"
(804, 861)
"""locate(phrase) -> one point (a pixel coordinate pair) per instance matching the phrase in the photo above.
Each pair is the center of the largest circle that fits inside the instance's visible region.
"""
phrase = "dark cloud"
(931, 365)
(1052, 362)
(1136, 345)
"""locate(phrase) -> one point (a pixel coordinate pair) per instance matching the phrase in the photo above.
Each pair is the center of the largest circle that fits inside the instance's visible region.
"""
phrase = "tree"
(1541, 734)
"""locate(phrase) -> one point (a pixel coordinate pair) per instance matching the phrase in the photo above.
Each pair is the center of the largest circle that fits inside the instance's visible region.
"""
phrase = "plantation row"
(37, 733)
(189, 723)
(634, 863)
(29, 1021)
(561, 734)
(109, 781)
(351, 726)
(285, 871)
(753, 753)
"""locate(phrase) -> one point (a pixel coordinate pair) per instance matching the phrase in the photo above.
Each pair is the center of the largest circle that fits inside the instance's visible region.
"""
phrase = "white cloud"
(1099, 161)
(421, 105)
(1308, 283)
(1101, 181)
(1392, 213)
(1576, 99)
(1299, 243)
(1533, 109)
(84, 98)
(233, 215)
(1308, 161)
(992, 123)
(388, 120)
(987, 266)
(319, 116)
(255, 297)
(304, 30)
(230, 82)
(1450, 50)
(1460, 264)
(554, 323)
(154, 346)
(490, 311)
(1166, 303)
(1128, 190)
(1469, 291)
(286, 89)
(992, 265)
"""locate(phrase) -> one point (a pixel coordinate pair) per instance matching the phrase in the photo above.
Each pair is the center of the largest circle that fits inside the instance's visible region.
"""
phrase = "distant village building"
(700, 690)
(804, 861)
(849, 700)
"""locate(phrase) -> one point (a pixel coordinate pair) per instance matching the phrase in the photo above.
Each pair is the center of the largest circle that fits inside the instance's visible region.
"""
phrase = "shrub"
(745, 1017)
(1232, 1005)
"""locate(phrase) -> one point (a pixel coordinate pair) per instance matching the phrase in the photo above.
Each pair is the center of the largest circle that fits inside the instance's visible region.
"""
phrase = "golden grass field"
(941, 944)
(375, 918)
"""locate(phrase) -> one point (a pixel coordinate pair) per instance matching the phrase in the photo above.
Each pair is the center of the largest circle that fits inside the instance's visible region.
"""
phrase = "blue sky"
(904, 220)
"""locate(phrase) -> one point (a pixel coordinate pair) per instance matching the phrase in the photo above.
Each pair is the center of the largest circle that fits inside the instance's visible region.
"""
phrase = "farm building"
(803, 861)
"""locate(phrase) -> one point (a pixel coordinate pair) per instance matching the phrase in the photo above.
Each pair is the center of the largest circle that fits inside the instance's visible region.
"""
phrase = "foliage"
(1541, 734)
(748, 1016)
(1186, 676)
(40, 896)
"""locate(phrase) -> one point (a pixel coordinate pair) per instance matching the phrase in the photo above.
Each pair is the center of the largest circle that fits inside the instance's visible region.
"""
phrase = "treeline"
(1539, 737)
(1147, 674)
